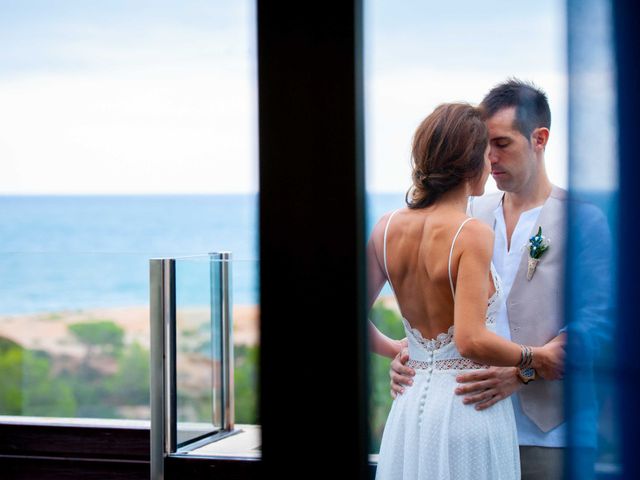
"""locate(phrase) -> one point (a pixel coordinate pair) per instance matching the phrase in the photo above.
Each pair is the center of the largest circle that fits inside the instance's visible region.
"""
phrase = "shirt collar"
(498, 213)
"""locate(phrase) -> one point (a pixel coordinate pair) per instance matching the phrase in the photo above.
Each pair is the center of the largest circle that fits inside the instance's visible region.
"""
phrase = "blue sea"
(76, 252)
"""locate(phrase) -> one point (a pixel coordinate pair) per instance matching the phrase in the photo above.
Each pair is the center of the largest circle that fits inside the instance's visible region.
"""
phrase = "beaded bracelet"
(526, 357)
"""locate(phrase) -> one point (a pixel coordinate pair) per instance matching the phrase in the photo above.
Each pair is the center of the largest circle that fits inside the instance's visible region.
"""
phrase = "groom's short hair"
(532, 106)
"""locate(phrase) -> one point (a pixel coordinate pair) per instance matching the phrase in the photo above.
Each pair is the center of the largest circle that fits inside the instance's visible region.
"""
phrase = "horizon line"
(154, 194)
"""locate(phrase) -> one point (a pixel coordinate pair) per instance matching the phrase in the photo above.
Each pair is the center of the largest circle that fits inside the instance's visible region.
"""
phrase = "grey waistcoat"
(535, 307)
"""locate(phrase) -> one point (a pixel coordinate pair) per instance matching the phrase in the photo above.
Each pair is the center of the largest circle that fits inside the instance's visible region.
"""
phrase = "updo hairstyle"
(448, 149)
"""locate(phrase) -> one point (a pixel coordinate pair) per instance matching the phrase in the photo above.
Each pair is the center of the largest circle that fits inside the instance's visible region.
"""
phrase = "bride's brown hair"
(448, 149)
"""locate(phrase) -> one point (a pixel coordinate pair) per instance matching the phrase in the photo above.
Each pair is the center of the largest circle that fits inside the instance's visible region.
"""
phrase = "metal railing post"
(163, 395)
(162, 362)
(221, 282)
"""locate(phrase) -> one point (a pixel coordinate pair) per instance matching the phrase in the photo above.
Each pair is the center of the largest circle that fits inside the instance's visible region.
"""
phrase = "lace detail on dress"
(430, 344)
(447, 364)
(493, 298)
(492, 311)
(446, 337)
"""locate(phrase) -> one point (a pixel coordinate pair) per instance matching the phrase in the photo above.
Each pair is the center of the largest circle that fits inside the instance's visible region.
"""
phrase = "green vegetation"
(33, 383)
(131, 382)
(102, 336)
(27, 386)
(196, 405)
(388, 322)
(114, 375)
(92, 382)
(246, 384)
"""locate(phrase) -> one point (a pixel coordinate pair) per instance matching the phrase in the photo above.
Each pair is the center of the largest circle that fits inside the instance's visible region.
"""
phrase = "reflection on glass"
(591, 273)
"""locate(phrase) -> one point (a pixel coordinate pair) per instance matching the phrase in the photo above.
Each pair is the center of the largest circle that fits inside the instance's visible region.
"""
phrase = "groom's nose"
(493, 155)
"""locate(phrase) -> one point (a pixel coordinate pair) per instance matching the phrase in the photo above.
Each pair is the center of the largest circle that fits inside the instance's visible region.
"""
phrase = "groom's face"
(512, 156)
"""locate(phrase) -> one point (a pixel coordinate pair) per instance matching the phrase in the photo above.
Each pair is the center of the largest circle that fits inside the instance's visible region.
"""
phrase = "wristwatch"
(526, 375)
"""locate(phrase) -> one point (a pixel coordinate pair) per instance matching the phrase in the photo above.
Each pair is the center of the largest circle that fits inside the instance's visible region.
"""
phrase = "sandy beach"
(49, 331)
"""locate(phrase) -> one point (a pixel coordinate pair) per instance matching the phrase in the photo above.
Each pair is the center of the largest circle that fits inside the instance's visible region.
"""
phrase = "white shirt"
(507, 262)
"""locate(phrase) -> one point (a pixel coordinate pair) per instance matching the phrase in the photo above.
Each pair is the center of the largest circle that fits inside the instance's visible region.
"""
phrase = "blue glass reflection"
(591, 401)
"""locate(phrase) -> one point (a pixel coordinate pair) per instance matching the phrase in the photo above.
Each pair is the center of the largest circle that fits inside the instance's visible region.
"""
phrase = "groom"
(518, 118)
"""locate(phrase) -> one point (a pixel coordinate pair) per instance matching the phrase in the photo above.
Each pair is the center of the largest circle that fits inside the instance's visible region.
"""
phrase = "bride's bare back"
(450, 162)
(418, 246)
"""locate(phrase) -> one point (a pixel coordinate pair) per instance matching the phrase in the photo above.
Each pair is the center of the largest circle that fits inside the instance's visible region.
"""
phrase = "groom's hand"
(487, 387)
(400, 374)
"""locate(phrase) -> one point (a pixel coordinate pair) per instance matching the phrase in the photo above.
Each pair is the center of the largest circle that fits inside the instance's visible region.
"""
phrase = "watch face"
(527, 374)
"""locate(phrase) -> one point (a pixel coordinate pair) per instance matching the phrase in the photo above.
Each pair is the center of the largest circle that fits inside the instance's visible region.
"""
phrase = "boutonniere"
(538, 245)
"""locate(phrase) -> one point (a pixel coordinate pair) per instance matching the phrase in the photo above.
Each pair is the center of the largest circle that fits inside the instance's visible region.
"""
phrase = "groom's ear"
(539, 138)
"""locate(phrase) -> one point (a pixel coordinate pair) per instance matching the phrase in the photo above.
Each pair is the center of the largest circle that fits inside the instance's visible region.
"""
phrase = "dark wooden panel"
(313, 363)
(74, 441)
(68, 469)
(195, 468)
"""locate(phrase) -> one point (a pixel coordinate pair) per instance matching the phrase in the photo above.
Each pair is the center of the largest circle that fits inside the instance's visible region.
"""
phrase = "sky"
(123, 97)
(423, 53)
(159, 97)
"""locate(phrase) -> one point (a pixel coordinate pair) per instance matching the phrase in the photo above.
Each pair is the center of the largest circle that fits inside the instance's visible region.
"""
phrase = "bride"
(438, 264)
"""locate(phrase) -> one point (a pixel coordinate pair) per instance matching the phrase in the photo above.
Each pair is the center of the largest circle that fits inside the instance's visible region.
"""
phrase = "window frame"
(301, 52)
(322, 46)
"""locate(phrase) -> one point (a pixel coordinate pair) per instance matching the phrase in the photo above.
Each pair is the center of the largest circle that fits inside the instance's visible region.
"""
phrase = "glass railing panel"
(74, 335)
(197, 353)
(458, 62)
(216, 348)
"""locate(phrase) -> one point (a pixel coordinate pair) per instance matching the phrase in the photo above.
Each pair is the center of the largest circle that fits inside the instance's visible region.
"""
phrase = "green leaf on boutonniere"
(538, 245)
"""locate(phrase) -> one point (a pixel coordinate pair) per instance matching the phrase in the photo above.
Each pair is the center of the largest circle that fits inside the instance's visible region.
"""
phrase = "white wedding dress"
(430, 434)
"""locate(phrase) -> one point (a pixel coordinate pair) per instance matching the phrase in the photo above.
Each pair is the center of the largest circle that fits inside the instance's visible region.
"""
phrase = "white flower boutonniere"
(538, 245)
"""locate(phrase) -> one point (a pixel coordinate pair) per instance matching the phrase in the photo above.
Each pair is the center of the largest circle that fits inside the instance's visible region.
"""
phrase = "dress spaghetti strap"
(453, 292)
(384, 249)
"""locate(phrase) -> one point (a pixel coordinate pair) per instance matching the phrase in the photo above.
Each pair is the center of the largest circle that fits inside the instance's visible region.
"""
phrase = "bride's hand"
(548, 360)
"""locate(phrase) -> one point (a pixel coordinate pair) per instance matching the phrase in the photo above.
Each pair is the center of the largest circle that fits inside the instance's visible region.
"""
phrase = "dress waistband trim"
(447, 364)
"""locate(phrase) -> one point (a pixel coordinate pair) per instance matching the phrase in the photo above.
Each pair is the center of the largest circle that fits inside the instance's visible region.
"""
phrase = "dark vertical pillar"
(627, 39)
(313, 369)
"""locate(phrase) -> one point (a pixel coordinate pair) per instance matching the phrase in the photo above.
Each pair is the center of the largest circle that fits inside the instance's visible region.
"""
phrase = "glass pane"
(121, 123)
(202, 407)
(74, 334)
(421, 54)
(594, 423)
(198, 356)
